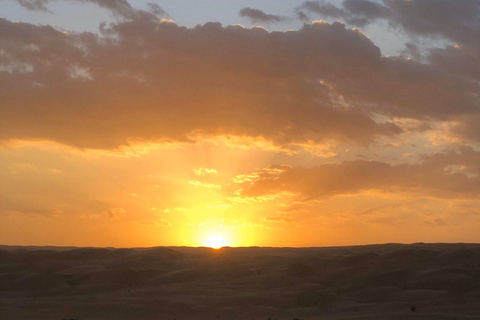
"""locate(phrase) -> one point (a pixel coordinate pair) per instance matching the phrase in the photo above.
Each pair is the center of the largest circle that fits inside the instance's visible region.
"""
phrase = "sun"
(216, 242)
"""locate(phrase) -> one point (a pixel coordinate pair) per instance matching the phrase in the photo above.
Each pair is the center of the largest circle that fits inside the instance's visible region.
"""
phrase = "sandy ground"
(391, 281)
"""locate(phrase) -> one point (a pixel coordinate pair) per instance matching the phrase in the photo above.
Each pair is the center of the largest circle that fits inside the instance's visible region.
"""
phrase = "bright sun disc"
(216, 242)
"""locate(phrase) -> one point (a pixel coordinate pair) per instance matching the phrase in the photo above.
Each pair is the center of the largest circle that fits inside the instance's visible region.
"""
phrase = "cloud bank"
(164, 82)
(451, 174)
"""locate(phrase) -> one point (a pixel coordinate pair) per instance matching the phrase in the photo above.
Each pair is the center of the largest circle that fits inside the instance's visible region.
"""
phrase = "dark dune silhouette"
(392, 281)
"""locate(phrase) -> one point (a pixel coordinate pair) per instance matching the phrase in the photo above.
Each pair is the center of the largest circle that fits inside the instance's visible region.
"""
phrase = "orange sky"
(149, 133)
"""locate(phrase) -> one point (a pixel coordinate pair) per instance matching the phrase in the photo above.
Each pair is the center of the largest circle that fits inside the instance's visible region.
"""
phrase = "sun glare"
(216, 242)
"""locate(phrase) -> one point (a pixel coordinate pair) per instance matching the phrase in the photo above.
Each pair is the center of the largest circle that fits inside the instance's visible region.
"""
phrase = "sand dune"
(393, 281)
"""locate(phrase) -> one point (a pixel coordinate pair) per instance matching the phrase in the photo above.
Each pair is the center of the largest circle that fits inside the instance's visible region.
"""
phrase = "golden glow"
(147, 199)
(216, 242)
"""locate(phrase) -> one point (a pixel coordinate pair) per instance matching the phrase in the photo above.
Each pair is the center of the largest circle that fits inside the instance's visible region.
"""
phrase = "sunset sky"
(262, 123)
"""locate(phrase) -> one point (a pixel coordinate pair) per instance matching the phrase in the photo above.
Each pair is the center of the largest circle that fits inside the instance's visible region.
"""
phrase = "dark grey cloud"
(35, 5)
(301, 15)
(362, 12)
(323, 8)
(157, 10)
(458, 21)
(355, 12)
(120, 8)
(256, 15)
(366, 8)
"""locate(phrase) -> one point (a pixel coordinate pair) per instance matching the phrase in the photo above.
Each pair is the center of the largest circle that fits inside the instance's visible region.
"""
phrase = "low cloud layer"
(452, 174)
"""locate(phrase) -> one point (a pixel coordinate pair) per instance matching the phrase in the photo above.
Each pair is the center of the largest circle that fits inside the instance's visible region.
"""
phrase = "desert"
(390, 281)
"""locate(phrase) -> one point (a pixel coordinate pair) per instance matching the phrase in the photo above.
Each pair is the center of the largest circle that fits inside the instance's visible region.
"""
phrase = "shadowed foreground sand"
(392, 281)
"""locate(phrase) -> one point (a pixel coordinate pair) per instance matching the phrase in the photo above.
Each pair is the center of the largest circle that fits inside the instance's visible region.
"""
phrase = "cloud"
(163, 82)
(433, 177)
(41, 212)
(204, 184)
(323, 8)
(355, 12)
(202, 172)
(257, 15)
(301, 15)
(120, 8)
(458, 65)
(455, 20)
(366, 8)
(112, 213)
(282, 218)
(34, 5)
(157, 10)
(147, 80)
(458, 21)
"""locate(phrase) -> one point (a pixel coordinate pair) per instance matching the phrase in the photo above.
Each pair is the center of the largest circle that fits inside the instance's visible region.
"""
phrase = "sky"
(260, 123)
